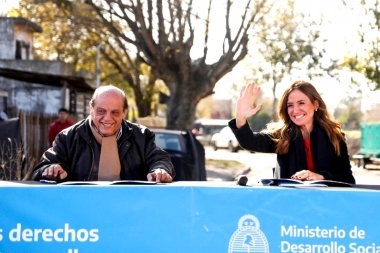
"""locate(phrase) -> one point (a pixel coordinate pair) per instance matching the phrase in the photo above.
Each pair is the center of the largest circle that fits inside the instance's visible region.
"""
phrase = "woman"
(308, 143)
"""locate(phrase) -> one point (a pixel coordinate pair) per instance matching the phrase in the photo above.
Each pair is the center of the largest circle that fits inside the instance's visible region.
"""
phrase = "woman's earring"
(316, 109)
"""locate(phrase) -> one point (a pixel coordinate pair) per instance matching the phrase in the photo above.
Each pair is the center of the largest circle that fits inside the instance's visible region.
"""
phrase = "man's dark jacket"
(74, 149)
(326, 161)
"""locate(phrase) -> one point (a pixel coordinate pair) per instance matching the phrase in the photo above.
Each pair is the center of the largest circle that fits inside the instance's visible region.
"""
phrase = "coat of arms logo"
(248, 237)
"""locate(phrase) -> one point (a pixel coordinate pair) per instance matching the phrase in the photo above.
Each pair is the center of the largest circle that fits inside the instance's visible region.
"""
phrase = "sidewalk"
(370, 175)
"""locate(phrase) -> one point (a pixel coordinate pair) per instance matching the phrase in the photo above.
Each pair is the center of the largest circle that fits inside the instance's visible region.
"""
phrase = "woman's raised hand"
(245, 104)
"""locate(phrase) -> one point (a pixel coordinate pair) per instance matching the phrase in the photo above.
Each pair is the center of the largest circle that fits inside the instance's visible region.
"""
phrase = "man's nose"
(107, 115)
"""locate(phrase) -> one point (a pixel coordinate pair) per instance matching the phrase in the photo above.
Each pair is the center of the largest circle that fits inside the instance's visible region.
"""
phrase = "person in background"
(105, 147)
(308, 143)
(59, 124)
(3, 115)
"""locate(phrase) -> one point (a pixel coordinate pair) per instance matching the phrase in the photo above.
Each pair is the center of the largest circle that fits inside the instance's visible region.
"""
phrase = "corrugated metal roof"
(76, 83)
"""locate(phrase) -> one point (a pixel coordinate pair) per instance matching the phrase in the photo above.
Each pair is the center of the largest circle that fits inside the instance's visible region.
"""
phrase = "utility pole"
(98, 66)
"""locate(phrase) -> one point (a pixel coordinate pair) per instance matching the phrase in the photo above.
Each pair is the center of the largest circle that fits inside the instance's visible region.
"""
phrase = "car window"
(169, 141)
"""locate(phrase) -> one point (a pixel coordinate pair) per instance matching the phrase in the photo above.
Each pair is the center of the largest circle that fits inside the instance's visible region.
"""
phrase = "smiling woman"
(308, 143)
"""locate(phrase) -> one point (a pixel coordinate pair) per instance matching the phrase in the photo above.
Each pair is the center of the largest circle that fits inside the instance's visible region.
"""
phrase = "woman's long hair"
(281, 130)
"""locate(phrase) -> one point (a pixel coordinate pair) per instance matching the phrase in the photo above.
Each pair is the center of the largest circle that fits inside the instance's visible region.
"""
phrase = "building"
(37, 85)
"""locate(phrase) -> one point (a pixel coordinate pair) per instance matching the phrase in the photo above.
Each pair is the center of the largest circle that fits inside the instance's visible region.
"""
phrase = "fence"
(34, 131)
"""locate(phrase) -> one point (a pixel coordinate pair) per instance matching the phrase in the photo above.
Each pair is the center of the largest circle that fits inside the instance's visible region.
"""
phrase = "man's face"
(108, 113)
(62, 116)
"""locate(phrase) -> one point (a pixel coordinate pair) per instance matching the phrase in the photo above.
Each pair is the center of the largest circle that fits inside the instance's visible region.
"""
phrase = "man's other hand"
(160, 176)
(55, 172)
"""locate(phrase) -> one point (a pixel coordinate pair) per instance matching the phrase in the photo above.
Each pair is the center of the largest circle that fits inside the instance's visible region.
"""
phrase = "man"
(59, 124)
(105, 147)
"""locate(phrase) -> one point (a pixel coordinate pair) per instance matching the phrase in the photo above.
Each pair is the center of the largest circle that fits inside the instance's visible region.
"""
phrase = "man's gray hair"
(111, 88)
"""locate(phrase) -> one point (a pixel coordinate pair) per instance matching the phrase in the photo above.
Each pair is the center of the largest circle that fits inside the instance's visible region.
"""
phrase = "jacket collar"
(85, 131)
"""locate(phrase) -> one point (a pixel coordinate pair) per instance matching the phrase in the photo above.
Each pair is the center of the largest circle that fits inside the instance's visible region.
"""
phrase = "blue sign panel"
(187, 218)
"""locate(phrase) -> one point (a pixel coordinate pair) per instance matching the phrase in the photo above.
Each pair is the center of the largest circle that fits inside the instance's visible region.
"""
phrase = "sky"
(7, 5)
(338, 28)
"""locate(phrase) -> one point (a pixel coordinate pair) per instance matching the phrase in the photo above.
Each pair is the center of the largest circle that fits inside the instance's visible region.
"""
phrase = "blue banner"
(187, 218)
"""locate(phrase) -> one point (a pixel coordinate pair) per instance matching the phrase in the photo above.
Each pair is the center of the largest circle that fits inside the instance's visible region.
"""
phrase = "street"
(261, 165)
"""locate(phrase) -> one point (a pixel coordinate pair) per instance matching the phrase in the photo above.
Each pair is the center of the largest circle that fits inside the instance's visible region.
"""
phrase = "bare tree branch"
(163, 36)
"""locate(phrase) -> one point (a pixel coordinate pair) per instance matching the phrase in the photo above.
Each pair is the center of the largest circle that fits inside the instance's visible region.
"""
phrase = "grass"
(224, 164)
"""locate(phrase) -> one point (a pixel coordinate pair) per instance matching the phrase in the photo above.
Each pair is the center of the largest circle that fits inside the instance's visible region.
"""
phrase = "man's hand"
(160, 176)
(54, 172)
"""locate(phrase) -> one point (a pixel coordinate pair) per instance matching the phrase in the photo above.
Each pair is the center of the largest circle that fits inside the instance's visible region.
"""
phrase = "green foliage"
(259, 121)
(289, 44)
(367, 63)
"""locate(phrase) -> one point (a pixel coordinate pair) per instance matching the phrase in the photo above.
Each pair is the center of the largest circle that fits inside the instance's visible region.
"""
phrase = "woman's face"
(301, 109)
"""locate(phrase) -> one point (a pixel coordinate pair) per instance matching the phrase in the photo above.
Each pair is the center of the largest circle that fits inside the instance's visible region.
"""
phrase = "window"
(168, 141)
(22, 50)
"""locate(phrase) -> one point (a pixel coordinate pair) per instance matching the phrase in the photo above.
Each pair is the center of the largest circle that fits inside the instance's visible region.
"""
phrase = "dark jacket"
(74, 149)
(326, 161)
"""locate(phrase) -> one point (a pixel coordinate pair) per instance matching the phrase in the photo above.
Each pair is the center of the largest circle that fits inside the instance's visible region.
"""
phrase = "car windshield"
(169, 141)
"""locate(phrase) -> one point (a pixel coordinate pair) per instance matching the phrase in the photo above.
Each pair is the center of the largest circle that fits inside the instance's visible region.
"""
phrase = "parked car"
(225, 138)
(186, 152)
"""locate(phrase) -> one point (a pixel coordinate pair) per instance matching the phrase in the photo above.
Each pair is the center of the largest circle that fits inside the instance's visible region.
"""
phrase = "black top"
(326, 161)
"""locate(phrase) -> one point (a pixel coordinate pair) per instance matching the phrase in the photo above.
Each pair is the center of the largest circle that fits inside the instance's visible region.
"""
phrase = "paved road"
(261, 165)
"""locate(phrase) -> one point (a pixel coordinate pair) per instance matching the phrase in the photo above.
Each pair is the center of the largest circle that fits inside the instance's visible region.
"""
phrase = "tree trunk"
(143, 98)
(182, 105)
(144, 108)
(181, 112)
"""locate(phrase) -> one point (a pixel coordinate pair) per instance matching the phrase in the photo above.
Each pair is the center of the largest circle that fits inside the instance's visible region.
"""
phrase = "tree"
(64, 37)
(366, 60)
(288, 43)
(349, 114)
(163, 34)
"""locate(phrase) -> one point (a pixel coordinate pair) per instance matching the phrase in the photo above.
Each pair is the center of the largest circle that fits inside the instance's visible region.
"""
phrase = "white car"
(225, 139)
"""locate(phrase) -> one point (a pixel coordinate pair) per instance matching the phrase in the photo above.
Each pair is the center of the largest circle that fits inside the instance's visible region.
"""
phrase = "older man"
(105, 146)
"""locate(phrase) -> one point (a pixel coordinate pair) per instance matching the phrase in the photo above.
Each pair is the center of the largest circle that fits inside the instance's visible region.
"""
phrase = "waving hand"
(245, 103)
